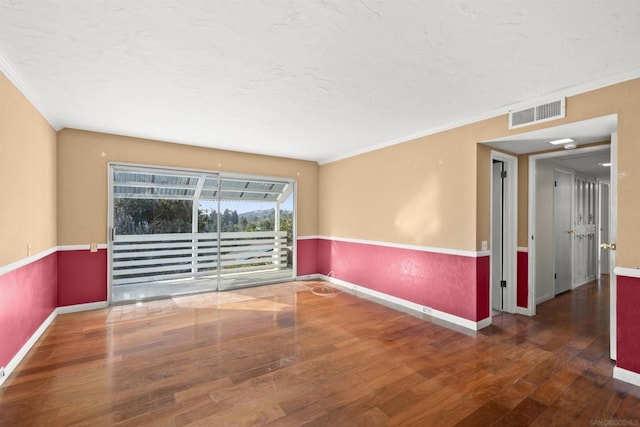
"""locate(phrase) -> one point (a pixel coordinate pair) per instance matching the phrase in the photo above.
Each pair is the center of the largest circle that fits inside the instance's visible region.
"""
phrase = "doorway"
(531, 239)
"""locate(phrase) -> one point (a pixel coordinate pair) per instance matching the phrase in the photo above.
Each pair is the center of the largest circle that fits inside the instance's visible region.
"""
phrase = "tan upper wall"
(421, 192)
(27, 177)
(433, 191)
(83, 159)
(523, 201)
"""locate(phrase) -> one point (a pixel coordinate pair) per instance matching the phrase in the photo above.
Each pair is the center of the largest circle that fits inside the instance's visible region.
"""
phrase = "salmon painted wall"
(27, 298)
(627, 319)
(411, 274)
(522, 278)
(27, 220)
(307, 257)
(82, 277)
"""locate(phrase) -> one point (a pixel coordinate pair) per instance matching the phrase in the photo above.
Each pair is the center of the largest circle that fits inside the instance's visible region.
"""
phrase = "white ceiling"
(315, 79)
(584, 163)
(584, 132)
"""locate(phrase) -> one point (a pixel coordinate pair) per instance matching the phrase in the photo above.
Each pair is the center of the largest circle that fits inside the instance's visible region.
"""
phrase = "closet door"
(584, 223)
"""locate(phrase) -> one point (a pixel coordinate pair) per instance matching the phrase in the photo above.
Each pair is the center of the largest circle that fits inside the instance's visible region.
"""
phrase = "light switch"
(484, 245)
(93, 247)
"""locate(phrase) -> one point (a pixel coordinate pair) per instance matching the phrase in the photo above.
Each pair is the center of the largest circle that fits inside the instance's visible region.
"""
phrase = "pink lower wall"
(522, 295)
(82, 277)
(483, 287)
(628, 323)
(454, 284)
(27, 298)
(307, 257)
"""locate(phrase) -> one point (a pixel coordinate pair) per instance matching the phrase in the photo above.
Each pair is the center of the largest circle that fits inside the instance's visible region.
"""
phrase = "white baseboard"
(308, 277)
(82, 307)
(544, 299)
(483, 323)
(523, 311)
(626, 376)
(417, 308)
(577, 285)
(15, 361)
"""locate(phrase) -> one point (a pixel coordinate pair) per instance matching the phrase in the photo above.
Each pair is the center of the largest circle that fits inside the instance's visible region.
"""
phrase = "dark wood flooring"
(281, 355)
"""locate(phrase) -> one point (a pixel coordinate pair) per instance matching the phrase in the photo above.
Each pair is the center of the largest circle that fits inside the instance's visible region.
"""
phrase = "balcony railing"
(155, 257)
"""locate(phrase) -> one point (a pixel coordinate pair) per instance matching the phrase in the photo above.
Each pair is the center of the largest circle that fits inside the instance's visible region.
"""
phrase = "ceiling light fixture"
(605, 164)
(569, 146)
(561, 141)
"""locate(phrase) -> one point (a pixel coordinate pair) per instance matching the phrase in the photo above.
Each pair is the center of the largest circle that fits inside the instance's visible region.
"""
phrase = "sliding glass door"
(176, 232)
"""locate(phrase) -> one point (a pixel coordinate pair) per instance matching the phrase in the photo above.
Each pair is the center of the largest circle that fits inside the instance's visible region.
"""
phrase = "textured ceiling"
(316, 80)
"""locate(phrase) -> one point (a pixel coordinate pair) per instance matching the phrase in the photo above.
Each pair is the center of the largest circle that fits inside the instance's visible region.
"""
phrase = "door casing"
(533, 159)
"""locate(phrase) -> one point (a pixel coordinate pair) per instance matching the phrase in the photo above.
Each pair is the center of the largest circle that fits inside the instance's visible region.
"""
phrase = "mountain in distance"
(257, 215)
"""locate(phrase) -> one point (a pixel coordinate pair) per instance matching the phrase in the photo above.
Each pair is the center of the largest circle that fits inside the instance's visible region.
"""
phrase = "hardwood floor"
(280, 355)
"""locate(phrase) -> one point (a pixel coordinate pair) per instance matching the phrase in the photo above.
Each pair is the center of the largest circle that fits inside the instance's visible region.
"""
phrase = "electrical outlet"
(427, 310)
(2, 372)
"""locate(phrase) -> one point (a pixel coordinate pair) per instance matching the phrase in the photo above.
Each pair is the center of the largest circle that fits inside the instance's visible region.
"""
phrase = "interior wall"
(83, 159)
(28, 265)
(422, 192)
(523, 201)
(27, 177)
(483, 190)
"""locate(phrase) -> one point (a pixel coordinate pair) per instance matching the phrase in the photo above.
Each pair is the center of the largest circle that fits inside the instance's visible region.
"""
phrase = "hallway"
(280, 355)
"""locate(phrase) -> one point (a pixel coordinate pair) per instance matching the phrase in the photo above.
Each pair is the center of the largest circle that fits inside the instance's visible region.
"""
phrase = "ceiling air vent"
(537, 114)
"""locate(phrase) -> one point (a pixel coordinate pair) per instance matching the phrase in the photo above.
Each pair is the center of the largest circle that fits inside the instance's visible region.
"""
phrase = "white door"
(613, 222)
(604, 228)
(497, 237)
(562, 231)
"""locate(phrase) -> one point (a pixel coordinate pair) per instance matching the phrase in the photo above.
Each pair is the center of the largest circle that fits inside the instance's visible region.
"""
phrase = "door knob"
(611, 246)
(570, 231)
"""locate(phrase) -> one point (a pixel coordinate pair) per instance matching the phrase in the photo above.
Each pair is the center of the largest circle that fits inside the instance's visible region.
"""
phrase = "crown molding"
(14, 76)
(566, 92)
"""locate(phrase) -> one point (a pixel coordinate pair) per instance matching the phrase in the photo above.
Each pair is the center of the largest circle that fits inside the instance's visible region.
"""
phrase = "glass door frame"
(113, 166)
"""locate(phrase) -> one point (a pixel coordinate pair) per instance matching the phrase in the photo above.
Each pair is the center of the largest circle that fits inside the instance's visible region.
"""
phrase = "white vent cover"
(537, 114)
